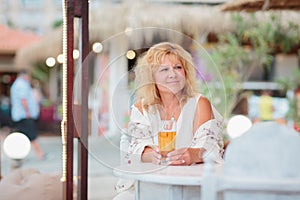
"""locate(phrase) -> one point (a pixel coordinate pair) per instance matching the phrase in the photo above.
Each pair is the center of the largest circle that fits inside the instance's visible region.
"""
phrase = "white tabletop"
(148, 172)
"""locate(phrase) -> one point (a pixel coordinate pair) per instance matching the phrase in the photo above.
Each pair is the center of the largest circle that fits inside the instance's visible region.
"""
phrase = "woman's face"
(170, 76)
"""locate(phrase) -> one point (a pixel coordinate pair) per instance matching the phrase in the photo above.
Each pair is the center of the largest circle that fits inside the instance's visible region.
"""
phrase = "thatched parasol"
(50, 45)
(257, 5)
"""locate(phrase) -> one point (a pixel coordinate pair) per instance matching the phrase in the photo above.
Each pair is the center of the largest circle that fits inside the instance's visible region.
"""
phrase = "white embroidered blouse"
(143, 129)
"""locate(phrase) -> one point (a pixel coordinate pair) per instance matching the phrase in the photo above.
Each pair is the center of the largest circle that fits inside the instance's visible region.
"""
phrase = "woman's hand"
(185, 156)
(151, 154)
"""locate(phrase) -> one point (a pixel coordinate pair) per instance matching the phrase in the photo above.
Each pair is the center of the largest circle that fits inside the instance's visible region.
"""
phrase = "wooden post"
(67, 124)
(72, 9)
(81, 11)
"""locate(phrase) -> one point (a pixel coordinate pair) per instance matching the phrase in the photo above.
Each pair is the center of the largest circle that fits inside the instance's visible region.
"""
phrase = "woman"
(166, 89)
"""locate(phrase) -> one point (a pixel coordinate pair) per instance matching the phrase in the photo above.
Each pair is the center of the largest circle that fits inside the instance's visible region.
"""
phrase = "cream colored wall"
(285, 65)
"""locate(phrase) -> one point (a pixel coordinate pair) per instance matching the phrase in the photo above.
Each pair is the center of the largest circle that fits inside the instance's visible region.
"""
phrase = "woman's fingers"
(178, 157)
(156, 156)
(178, 162)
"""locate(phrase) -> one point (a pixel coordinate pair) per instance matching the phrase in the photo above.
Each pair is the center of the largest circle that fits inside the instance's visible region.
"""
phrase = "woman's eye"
(178, 67)
(164, 69)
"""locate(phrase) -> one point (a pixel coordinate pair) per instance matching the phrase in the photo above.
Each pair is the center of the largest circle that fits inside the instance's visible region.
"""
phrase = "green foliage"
(10, 23)
(252, 45)
(291, 84)
(41, 72)
(290, 37)
(269, 35)
(57, 23)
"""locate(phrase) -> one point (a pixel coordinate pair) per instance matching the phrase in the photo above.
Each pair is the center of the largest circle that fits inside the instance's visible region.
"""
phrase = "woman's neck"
(168, 98)
(170, 106)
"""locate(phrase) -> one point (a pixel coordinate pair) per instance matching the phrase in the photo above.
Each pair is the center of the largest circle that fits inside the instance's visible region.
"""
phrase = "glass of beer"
(167, 137)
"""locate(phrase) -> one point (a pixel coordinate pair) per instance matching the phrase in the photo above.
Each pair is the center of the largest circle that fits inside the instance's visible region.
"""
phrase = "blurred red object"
(47, 114)
(296, 127)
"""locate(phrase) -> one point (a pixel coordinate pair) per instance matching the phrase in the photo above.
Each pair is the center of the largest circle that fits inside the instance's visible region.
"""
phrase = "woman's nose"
(172, 73)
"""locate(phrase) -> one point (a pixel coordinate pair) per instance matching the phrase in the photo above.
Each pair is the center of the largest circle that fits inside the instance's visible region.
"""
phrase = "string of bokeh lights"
(97, 48)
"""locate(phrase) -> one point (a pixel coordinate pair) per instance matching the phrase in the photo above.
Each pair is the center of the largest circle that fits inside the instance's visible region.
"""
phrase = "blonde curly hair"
(149, 62)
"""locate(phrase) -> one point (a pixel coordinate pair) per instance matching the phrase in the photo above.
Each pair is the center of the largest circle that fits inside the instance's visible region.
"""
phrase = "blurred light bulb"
(60, 58)
(130, 54)
(97, 47)
(238, 125)
(75, 53)
(16, 145)
(50, 62)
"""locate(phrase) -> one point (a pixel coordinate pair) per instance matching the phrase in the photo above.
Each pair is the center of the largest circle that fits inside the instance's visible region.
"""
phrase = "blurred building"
(22, 23)
(11, 40)
(38, 16)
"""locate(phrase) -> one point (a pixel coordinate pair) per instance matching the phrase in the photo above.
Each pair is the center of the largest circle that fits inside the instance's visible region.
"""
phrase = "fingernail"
(167, 159)
(159, 156)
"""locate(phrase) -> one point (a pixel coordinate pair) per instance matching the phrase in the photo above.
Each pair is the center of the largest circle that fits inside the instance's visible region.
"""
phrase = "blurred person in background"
(265, 107)
(25, 110)
(36, 89)
(5, 120)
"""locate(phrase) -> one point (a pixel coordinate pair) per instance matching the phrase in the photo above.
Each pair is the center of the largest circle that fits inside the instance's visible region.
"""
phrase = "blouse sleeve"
(139, 129)
(209, 136)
